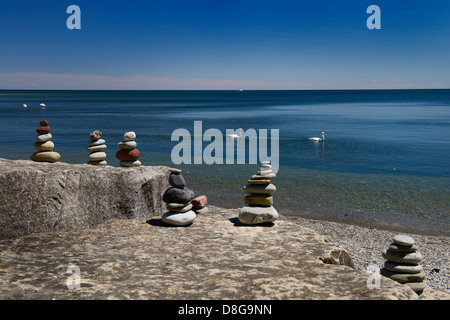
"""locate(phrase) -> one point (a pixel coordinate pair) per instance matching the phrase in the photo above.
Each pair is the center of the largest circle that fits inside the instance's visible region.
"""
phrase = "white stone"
(263, 172)
(44, 137)
(96, 148)
(98, 163)
(179, 209)
(97, 156)
(127, 145)
(403, 240)
(179, 219)
(254, 214)
(129, 136)
(134, 163)
(97, 142)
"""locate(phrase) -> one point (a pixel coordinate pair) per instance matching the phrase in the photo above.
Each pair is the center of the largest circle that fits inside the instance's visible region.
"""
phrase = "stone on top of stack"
(259, 201)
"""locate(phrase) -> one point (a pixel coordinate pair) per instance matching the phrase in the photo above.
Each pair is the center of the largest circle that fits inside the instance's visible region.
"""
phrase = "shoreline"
(364, 245)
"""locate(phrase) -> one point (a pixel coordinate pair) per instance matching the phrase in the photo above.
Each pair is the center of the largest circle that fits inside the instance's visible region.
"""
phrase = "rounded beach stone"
(45, 156)
(259, 199)
(129, 136)
(43, 129)
(402, 268)
(399, 257)
(127, 145)
(260, 188)
(44, 137)
(179, 209)
(44, 146)
(97, 156)
(265, 163)
(44, 123)
(98, 163)
(96, 142)
(177, 195)
(403, 240)
(259, 181)
(267, 176)
(254, 215)
(175, 170)
(179, 219)
(394, 247)
(199, 202)
(135, 163)
(96, 148)
(176, 180)
(128, 155)
(176, 205)
(263, 172)
(417, 286)
(95, 135)
(402, 277)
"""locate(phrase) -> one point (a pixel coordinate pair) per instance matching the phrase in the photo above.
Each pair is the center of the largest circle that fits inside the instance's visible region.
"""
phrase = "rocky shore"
(130, 253)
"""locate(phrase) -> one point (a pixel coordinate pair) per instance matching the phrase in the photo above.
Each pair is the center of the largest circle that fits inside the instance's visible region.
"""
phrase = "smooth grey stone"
(96, 142)
(98, 163)
(402, 277)
(176, 180)
(96, 148)
(133, 163)
(267, 176)
(97, 156)
(400, 257)
(202, 210)
(177, 205)
(175, 170)
(403, 240)
(417, 286)
(129, 136)
(127, 145)
(179, 219)
(394, 247)
(44, 146)
(260, 188)
(179, 209)
(178, 195)
(402, 268)
(254, 214)
(44, 137)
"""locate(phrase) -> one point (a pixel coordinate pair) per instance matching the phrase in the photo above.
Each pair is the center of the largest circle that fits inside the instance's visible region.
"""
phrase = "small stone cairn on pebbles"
(259, 201)
(402, 263)
(178, 201)
(128, 154)
(96, 149)
(44, 145)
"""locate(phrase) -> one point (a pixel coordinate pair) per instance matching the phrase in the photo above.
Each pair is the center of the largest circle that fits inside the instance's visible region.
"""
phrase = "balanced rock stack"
(128, 154)
(178, 201)
(259, 201)
(402, 263)
(44, 145)
(96, 146)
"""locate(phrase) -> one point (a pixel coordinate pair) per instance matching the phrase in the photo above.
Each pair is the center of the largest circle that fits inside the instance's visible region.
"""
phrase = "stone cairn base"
(402, 263)
(44, 145)
(259, 201)
(128, 155)
(96, 146)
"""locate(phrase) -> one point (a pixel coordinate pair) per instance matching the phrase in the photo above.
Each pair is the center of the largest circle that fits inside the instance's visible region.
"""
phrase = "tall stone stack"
(44, 145)
(259, 201)
(403, 263)
(128, 154)
(96, 146)
(178, 201)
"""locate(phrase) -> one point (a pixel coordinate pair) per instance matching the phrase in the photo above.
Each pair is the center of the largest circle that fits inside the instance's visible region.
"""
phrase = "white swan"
(317, 139)
(42, 105)
(235, 136)
(24, 105)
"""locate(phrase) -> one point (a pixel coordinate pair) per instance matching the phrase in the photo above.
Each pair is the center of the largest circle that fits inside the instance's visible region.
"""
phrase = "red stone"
(128, 155)
(199, 202)
(43, 129)
(44, 123)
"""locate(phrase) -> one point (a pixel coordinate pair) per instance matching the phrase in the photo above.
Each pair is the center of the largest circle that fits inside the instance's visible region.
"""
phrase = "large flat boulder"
(38, 197)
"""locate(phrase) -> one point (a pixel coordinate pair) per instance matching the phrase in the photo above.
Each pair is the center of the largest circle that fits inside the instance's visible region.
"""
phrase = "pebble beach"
(366, 244)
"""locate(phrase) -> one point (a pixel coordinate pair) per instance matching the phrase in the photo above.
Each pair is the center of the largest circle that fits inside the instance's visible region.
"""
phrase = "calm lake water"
(385, 161)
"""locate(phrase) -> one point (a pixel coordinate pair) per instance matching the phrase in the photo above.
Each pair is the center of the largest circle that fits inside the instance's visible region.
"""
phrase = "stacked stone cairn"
(402, 263)
(96, 146)
(44, 145)
(128, 154)
(259, 201)
(178, 201)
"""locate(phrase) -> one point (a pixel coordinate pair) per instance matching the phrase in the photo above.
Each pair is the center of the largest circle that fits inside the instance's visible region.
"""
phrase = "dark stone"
(43, 129)
(177, 195)
(176, 180)
(128, 155)
(44, 123)
(95, 135)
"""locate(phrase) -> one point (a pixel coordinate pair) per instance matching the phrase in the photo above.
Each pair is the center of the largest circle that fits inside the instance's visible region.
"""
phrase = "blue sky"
(224, 45)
